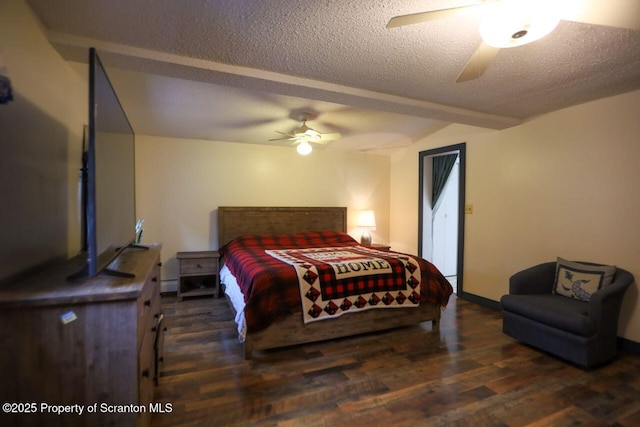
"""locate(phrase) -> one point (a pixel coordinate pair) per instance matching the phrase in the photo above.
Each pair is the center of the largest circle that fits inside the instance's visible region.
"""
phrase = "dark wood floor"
(466, 374)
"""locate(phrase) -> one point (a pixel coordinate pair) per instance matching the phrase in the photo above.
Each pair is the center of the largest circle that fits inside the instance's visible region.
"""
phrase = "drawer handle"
(147, 303)
(159, 264)
(154, 329)
(154, 279)
(145, 373)
(198, 266)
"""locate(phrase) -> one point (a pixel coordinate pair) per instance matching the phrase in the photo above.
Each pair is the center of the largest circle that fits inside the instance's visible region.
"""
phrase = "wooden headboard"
(235, 221)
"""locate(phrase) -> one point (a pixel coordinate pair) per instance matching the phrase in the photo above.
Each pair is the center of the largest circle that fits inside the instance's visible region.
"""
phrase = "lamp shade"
(366, 219)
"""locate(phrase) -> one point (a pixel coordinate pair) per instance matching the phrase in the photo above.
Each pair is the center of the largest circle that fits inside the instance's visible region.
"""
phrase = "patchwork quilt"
(272, 289)
(338, 280)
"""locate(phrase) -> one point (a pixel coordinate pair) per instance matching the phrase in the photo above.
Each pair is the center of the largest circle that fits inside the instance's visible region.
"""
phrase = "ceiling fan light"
(304, 148)
(515, 23)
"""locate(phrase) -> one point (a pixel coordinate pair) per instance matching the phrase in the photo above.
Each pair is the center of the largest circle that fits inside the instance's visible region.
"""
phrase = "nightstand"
(198, 274)
(380, 246)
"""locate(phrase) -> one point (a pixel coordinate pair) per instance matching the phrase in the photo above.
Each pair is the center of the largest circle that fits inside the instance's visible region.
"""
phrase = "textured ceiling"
(240, 70)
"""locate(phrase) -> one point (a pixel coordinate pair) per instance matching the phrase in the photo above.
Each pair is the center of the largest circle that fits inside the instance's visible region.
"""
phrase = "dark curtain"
(442, 166)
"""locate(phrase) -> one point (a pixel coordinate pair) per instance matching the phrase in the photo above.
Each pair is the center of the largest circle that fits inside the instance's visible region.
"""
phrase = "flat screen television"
(109, 176)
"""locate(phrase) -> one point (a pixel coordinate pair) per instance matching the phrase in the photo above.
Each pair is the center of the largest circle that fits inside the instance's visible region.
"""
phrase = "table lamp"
(366, 221)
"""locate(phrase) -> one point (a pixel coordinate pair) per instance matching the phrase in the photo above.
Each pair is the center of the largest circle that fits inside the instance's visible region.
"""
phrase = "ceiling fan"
(303, 135)
(511, 23)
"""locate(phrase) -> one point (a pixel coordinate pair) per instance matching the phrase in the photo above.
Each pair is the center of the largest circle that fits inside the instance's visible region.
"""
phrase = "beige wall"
(40, 148)
(180, 184)
(564, 184)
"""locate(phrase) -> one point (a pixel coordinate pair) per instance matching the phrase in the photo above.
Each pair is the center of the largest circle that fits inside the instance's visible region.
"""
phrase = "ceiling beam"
(122, 56)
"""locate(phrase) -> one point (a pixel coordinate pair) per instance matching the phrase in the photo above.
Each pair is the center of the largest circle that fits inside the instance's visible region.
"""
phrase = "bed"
(269, 238)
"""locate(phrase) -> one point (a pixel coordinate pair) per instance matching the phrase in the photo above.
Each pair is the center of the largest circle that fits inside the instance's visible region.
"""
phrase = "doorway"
(441, 224)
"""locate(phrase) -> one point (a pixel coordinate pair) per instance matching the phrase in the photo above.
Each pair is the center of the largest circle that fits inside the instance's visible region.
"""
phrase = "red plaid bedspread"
(271, 289)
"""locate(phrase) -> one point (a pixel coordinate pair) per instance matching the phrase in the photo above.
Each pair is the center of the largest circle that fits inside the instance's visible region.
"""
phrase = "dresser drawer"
(149, 305)
(198, 266)
(159, 348)
(147, 368)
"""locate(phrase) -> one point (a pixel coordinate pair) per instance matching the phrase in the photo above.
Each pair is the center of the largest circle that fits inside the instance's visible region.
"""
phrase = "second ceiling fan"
(511, 23)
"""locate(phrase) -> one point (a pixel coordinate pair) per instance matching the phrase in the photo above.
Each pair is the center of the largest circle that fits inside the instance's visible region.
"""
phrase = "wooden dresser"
(92, 344)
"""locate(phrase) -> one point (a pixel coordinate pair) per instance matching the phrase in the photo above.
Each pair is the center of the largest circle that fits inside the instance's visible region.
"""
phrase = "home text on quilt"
(348, 264)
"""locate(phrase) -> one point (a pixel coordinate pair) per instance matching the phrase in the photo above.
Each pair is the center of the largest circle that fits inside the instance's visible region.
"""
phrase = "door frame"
(461, 149)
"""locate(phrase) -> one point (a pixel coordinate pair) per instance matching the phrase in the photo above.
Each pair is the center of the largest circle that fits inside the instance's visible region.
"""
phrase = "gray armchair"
(582, 332)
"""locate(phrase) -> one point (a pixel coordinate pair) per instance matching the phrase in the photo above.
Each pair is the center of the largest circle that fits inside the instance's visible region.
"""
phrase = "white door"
(445, 226)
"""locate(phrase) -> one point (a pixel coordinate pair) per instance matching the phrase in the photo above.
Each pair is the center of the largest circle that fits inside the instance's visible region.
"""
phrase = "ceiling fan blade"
(611, 13)
(326, 137)
(311, 132)
(478, 63)
(282, 139)
(288, 136)
(416, 18)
